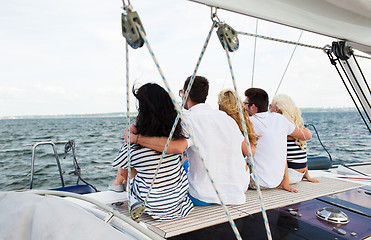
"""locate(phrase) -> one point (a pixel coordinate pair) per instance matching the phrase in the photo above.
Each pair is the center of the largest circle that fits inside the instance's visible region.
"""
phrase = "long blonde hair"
(228, 103)
(288, 109)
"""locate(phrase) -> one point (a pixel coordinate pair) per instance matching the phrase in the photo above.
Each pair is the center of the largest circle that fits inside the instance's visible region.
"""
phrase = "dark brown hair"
(259, 97)
(199, 90)
(156, 112)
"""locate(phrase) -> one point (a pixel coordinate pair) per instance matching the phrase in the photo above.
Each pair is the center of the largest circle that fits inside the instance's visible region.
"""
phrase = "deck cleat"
(137, 210)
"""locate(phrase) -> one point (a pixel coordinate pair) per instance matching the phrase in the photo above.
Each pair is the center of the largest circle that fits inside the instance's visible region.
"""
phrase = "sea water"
(98, 139)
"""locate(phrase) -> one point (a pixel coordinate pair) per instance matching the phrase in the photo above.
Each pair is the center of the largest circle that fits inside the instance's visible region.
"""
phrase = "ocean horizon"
(133, 114)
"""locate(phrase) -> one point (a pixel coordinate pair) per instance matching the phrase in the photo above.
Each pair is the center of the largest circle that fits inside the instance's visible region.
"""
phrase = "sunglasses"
(247, 103)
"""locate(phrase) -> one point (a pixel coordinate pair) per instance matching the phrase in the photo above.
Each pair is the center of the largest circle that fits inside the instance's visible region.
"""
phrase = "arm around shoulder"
(158, 143)
(302, 133)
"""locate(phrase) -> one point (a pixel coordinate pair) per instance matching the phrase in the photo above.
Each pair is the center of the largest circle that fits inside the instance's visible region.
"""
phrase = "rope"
(233, 225)
(266, 223)
(290, 42)
(319, 139)
(287, 66)
(128, 122)
(70, 145)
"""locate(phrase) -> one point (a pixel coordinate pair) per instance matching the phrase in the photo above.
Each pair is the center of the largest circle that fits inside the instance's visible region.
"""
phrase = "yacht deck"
(202, 217)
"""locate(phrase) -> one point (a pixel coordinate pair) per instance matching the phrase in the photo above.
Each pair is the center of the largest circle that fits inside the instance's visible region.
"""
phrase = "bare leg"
(285, 182)
(122, 175)
(306, 175)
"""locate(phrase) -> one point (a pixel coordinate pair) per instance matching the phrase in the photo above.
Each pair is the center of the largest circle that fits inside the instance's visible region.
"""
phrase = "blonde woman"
(296, 148)
(228, 103)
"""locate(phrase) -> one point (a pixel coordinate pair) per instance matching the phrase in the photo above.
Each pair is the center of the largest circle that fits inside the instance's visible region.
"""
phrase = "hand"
(133, 129)
(133, 136)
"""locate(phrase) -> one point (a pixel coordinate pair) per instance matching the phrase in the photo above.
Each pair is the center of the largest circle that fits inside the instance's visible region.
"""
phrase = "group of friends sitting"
(277, 139)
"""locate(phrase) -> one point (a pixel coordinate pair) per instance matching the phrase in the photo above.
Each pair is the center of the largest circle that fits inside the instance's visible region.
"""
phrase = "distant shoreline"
(133, 114)
(82, 115)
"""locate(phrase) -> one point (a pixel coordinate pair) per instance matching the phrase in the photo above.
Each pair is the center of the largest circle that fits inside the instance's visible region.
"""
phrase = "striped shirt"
(296, 157)
(168, 199)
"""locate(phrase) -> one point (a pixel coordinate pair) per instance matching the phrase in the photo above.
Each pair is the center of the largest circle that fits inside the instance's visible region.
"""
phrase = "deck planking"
(201, 217)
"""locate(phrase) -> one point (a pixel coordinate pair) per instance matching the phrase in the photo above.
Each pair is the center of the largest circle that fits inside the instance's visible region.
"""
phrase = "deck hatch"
(332, 215)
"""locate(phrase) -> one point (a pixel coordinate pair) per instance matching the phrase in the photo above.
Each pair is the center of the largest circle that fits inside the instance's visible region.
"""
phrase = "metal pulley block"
(129, 29)
(137, 210)
(228, 37)
(342, 50)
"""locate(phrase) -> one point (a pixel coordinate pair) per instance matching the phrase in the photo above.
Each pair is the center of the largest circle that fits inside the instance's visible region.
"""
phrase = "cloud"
(72, 55)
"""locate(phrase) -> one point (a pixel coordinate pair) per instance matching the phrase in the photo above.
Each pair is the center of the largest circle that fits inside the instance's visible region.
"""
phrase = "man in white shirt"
(221, 144)
(271, 149)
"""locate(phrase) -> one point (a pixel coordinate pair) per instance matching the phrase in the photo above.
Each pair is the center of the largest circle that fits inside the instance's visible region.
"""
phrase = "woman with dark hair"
(168, 198)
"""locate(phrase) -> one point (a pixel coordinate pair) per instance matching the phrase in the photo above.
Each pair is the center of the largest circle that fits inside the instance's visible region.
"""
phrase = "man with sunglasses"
(271, 149)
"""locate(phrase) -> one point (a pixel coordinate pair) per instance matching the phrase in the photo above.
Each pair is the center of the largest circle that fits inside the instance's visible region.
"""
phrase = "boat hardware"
(293, 212)
(117, 204)
(34, 146)
(137, 210)
(339, 230)
(130, 31)
(342, 50)
(228, 37)
(109, 217)
(332, 215)
(357, 84)
(70, 145)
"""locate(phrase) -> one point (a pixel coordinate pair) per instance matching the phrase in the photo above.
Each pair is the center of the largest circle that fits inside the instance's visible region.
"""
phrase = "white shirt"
(271, 149)
(219, 139)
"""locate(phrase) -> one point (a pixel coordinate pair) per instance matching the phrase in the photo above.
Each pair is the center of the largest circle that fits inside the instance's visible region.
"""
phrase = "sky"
(68, 57)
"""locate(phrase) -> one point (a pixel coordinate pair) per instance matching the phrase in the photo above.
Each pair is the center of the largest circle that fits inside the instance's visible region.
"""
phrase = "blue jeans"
(195, 201)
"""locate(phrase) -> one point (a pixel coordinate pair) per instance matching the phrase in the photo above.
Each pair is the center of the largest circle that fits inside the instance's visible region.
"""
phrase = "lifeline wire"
(233, 225)
(266, 223)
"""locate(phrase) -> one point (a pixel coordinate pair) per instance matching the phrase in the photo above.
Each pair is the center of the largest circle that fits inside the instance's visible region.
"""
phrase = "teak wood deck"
(201, 217)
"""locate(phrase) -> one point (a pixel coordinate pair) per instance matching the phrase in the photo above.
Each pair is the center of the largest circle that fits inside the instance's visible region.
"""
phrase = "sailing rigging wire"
(346, 63)
(251, 159)
(363, 76)
(291, 42)
(178, 109)
(287, 66)
(333, 62)
(253, 62)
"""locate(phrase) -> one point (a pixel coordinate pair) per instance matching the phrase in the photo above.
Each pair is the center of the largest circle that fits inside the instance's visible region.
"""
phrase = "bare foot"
(312, 180)
(290, 189)
(287, 188)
